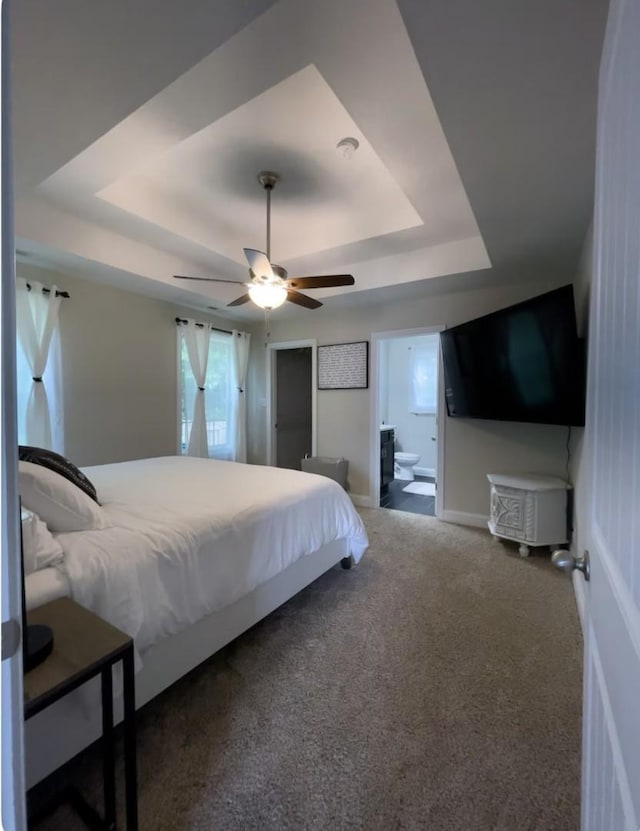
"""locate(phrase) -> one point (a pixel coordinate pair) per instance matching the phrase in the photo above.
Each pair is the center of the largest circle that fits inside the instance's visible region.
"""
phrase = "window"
(39, 405)
(53, 381)
(218, 396)
(424, 379)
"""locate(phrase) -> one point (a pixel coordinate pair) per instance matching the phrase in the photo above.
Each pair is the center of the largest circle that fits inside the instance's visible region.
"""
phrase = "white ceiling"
(140, 129)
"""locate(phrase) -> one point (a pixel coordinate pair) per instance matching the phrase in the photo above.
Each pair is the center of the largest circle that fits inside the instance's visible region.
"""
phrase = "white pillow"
(57, 501)
(39, 548)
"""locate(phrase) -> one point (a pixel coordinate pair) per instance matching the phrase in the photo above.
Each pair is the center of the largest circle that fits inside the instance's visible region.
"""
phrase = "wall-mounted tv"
(523, 363)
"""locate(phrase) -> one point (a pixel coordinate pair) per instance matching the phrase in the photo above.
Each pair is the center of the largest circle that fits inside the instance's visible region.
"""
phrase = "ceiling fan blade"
(206, 279)
(258, 263)
(321, 282)
(303, 299)
(240, 300)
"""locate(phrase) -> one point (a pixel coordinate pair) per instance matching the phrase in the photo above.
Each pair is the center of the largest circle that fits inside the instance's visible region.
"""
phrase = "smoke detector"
(346, 147)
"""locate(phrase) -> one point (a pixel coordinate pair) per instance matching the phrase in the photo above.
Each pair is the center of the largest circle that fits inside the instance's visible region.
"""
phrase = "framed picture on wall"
(343, 366)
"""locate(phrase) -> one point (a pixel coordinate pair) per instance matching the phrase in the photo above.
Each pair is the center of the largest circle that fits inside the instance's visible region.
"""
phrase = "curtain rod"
(48, 291)
(182, 321)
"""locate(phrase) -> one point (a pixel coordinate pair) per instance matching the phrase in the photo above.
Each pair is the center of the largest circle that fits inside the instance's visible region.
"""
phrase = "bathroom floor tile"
(413, 503)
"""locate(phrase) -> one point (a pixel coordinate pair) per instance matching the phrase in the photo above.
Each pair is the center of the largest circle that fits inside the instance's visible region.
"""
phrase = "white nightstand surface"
(529, 482)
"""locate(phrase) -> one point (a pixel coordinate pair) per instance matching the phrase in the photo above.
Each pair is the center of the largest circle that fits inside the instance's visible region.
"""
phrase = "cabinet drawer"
(533, 517)
(512, 512)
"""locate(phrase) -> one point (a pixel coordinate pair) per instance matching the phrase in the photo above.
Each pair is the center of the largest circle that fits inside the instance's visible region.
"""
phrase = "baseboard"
(360, 500)
(580, 591)
(425, 471)
(463, 518)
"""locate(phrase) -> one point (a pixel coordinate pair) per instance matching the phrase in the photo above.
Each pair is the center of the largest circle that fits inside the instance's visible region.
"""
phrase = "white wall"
(119, 362)
(472, 448)
(413, 430)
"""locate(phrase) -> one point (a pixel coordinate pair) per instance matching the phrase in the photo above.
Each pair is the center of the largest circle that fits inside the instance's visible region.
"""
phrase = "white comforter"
(190, 536)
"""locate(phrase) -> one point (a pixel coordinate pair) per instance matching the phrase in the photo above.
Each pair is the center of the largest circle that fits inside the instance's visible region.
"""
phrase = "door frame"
(374, 442)
(272, 437)
(12, 750)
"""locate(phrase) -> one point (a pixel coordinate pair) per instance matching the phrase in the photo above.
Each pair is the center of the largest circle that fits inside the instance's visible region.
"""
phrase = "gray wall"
(472, 448)
(119, 362)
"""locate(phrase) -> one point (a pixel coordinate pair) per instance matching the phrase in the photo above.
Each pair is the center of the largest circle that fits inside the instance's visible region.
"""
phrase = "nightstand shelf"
(85, 646)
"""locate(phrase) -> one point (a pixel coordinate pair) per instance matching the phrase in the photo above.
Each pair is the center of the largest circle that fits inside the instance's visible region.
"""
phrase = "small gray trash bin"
(335, 469)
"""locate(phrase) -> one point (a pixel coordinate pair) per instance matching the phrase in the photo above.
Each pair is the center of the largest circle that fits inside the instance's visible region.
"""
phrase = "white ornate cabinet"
(530, 509)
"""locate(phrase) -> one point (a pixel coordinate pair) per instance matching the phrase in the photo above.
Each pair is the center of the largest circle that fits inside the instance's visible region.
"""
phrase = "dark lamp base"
(38, 643)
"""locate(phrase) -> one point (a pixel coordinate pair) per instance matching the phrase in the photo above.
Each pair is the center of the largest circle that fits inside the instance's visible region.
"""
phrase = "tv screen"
(523, 363)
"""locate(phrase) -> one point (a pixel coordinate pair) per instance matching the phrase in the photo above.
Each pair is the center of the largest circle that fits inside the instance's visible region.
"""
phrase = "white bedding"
(190, 536)
(45, 585)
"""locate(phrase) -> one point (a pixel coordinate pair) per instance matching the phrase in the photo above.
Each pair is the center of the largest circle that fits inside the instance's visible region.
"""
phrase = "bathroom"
(407, 406)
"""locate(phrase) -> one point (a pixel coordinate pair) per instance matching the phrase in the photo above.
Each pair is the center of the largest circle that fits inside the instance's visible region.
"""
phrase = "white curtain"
(241, 343)
(196, 338)
(37, 321)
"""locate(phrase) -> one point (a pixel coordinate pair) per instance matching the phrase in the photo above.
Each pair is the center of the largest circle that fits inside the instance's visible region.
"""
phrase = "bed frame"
(61, 731)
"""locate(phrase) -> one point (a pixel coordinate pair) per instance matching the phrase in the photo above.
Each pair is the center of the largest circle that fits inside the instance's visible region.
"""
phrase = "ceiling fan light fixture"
(270, 284)
(267, 296)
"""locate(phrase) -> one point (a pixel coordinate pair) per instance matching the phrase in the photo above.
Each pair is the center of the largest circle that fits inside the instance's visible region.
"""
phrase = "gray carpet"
(437, 685)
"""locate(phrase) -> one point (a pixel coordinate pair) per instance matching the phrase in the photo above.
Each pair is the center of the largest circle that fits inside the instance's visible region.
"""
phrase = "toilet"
(404, 464)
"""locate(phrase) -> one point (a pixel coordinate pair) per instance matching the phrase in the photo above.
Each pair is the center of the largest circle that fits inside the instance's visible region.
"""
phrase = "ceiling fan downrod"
(268, 181)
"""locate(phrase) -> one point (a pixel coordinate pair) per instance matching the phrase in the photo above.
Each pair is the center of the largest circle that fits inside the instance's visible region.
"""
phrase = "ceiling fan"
(270, 284)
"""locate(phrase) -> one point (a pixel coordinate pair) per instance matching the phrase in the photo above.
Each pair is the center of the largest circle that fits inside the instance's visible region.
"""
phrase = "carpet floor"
(437, 685)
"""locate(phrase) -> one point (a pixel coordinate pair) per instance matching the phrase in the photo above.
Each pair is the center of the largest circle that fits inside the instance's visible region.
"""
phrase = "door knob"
(566, 562)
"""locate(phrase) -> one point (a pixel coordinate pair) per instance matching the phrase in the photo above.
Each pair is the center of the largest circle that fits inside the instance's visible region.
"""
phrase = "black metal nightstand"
(85, 646)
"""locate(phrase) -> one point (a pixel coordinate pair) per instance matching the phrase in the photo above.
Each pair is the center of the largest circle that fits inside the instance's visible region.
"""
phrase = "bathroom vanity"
(387, 446)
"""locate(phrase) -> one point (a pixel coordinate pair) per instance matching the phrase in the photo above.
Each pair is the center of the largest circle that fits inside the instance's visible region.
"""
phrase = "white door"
(13, 809)
(611, 750)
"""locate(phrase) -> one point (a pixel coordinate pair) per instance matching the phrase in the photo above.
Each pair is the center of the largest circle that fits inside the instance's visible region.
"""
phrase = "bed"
(188, 554)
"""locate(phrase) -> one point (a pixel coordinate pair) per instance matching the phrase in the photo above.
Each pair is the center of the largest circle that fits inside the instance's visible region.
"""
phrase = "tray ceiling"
(159, 175)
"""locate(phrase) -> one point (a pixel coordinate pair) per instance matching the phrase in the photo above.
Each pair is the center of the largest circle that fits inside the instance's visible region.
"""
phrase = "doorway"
(408, 434)
(291, 417)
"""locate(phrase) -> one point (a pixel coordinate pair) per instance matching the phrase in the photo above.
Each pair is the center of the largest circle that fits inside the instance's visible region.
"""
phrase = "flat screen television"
(523, 363)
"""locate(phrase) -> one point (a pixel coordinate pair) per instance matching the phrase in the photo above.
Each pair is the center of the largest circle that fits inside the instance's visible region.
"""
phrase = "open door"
(291, 402)
(611, 747)
(293, 410)
(407, 406)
